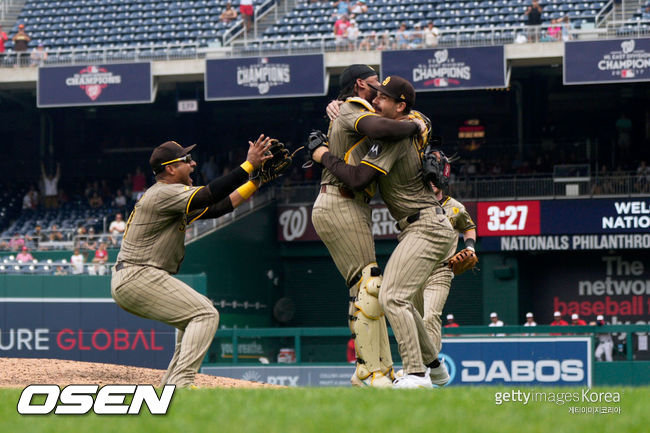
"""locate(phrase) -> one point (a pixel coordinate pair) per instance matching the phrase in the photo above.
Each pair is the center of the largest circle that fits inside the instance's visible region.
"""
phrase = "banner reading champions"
(449, 68)
(119, 83)
(265, 77)
(617, 60)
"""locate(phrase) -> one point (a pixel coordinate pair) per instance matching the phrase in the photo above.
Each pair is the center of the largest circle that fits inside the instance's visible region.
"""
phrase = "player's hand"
(257, 151)
(422, 127)
(333, 109)
(317, 156)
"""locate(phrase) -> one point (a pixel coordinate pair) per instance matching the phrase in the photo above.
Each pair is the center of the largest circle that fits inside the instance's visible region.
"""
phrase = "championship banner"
(547, 225)
(448, 68)
(265, 77)
(82, 329)
(470, 361)
(118, 83)
(611, 61)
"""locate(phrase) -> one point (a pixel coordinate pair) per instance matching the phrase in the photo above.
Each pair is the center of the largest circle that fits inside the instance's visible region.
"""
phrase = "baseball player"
(439, 282)
(605, 342)
(342, 219)
(426, 237)
(153, 248)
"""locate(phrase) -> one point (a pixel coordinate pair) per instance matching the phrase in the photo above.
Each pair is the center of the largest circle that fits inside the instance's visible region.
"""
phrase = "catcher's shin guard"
(369, 326)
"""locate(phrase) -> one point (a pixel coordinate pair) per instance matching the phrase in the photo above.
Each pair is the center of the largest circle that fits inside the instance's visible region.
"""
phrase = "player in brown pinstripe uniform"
(426, 238)
(342, 219)
(153, 248)
(436, 290)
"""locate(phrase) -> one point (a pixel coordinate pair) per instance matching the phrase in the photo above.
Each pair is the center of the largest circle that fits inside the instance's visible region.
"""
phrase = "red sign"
(508, 218)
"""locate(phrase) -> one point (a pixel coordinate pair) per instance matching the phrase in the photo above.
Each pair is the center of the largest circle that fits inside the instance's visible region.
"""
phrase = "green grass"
(340, 410)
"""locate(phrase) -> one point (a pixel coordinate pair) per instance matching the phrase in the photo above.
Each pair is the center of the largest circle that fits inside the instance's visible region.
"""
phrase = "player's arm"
(221, 187)
(374, 126)
(357, 177)
(228, 204)
(470, 238)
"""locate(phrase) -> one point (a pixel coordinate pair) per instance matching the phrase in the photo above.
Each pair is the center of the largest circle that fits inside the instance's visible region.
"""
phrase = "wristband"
(469, 244)
(247, 166)
(247, 189)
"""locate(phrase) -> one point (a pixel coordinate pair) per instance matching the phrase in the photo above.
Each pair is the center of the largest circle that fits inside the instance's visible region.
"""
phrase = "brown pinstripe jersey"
(458, 216)
(401, 184)
(155, 231)
(345, 141)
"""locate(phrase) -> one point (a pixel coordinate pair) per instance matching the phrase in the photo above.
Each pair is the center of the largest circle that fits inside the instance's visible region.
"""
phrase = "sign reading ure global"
(120, 83)
(449, 68)
(265, 77)
(617, 60)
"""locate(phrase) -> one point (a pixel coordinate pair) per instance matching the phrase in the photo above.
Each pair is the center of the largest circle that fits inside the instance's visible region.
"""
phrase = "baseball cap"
(21, 26)
(557, 313)
(352, 72)
(450, 316)
(24, 248)
(397, 88)
(600, 317)
(574, 316)
(493, 314)
(529, 314)
(167, 152)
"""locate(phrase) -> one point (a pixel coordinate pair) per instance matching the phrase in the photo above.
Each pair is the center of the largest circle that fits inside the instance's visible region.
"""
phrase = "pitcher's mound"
(20, 372)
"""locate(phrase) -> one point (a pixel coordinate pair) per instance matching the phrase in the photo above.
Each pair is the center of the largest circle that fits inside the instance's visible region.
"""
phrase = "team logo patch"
(375, 150)
(455, 210)
(386, 81)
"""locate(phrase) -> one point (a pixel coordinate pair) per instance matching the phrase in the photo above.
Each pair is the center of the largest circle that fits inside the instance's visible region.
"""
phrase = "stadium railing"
(235, 334)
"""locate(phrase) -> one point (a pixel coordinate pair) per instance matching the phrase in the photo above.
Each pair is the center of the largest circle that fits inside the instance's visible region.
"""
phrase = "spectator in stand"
(494, 320)
(116, 229)
(385, 42)
(342, 8)
(91, 244)
(60, 270)
(603, 183)
(645, 15)
(55, 234)
(554, 32)
(21, 40)
(38, 56)
(359, 7)
(228, 15)
(120, 199)
(530, 320)
(95, 201)
(352, 35)
(605, 342)
(351, 353)
(451, 322)
(50, 185)
(534, 20)
(369, 43)
(565, 24)
(24, 256)
(100, 259)
(557, 321)
(37, 236)
(3, 38)
(642, 177)
(77, 261)
(138, 184)
(30, 199)
(402, 37)
(341, 32)
(431, 35)
(417, 37)
(247, 13)
(577, 321)
(16, 242)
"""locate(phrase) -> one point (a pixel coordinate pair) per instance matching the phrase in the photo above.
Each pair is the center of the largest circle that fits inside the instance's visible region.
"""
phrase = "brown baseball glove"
(463, 261)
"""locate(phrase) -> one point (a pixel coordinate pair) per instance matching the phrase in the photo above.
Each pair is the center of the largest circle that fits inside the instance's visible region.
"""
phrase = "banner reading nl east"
(448, 68)
(265, 77)
(120, 83)
(617, 60)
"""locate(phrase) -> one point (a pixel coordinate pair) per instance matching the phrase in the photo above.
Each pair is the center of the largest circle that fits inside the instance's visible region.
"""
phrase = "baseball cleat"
(439, 375)
(411, 381)
(376, 379)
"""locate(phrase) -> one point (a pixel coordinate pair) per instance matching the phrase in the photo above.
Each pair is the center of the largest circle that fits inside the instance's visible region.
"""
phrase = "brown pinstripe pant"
(431, 302)
(345, 227)
(422, 246)
(154, 294)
